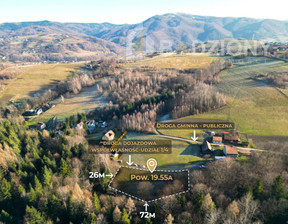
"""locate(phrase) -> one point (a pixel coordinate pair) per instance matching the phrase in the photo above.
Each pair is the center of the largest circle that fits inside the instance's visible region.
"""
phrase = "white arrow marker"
(110, 175)
(130, 162)
(146, 206)
(194, 138)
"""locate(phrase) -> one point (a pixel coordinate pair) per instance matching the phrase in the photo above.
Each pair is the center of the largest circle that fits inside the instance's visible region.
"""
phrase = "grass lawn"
(174, 61)
(83, 102)
(182, 153)
(35, 79)
(255, 106)
(182, 133)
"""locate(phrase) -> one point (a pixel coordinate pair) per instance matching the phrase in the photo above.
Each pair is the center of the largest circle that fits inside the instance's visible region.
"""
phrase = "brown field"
(188, 61)
(36, 79)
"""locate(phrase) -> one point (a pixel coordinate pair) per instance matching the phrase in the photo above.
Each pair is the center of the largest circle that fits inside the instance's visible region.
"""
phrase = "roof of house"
(217, 139)
(231, 150)
(227, 137)
(231, 138)
(235, 138)
(227, 133)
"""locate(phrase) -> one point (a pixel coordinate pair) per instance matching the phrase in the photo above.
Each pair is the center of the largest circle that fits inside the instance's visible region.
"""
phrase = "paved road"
(179, 139)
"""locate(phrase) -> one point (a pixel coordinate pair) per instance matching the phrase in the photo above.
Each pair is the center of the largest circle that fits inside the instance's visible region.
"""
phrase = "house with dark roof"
(230, 151)
(228, 137)
(91, 125)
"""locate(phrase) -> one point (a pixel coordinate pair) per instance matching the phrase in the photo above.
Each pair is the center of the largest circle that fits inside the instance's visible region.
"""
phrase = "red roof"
(235, 138)
(231, 150)
(217, 139)
(227, 133)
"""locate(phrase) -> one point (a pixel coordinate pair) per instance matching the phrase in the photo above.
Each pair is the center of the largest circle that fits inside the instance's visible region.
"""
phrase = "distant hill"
(172, 29)
(47, 40)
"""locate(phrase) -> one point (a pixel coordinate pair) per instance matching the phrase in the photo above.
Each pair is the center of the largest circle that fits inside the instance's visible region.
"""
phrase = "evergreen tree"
(179, 199)
(105, 181)
(47, 176)
(184, 201)
(38, 186)
(147, 221)
(110, 203)
(5, 190)
(199, 199)
(53, 207)
(33, 198)
(278, 188)
(96, 204)
(91, 218)
(64, 168)
(125, 218)
(258, 190)
(21, 190)
(70, 206)
(156, 208)
(33, 216)
(5, 217)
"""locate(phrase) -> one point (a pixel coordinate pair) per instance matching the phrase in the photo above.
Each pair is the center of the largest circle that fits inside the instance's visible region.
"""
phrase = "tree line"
(44, 179)
(160, 91)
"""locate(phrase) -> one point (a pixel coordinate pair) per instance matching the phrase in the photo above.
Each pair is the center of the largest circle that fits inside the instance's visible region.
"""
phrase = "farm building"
(230, 151)
(79, 125)
(33, 112)
(210, 133)
(228, 137)
(206, 147)
(217, 140)
(91, 125)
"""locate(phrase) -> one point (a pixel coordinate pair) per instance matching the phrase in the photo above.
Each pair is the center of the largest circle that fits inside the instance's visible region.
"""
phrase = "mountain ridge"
(157, 33)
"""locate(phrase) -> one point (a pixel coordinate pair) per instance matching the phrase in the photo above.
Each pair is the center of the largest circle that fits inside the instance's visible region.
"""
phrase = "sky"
(134, 11)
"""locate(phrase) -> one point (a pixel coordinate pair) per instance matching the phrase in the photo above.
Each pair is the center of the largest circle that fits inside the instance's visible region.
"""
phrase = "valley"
(179, 118)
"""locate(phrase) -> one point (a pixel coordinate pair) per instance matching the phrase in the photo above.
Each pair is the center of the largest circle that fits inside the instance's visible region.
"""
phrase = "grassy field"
(149, 189)
(182, 153)
(256, 107)
(188, 61)
(83, 102)
(35, 79)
